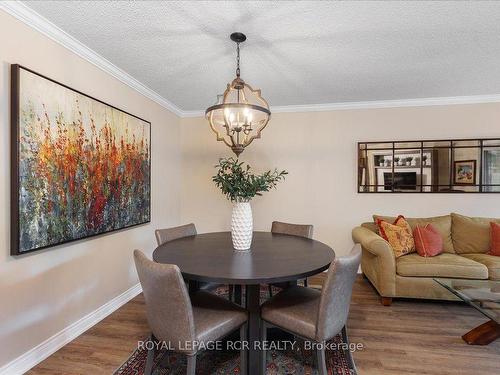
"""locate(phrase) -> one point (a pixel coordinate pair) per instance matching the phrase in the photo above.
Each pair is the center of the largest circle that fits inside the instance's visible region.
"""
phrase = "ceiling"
(298, 53)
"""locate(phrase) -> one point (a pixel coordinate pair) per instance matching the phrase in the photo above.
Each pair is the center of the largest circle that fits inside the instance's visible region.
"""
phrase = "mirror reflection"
(447, 166)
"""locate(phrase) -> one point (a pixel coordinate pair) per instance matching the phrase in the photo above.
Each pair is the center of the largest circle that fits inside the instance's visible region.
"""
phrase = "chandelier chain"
(238, 60)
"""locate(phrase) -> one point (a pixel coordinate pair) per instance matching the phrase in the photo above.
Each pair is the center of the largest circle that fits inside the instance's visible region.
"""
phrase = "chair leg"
(270, 288)
(151, 356)
(306, 284)
(263, 339)
(321, 360)
(191, 365)
(243, 349)
(345, 340)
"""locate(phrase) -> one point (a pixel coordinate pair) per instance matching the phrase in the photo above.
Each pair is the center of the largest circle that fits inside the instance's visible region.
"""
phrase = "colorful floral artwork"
(83, 167)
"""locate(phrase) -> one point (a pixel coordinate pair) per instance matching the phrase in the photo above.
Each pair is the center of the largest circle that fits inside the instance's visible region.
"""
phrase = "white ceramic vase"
(242, 226)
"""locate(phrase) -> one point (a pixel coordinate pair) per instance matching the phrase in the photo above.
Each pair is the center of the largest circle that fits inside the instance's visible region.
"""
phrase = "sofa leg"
(386, 301)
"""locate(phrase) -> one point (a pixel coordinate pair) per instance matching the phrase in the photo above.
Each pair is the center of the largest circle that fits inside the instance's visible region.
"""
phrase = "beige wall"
(319, 151)
(46, 291)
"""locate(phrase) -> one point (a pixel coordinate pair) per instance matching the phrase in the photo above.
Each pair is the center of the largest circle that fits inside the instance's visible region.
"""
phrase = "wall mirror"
(442, 166)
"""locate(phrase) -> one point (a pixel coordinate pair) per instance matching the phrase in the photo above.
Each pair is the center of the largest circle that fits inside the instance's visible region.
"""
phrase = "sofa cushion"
(443, 265)
(471, 235)
(490, 261)
(441, 223)
(370, 226)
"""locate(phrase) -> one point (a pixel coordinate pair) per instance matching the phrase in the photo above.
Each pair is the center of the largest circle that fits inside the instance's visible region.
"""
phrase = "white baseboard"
(34, 356)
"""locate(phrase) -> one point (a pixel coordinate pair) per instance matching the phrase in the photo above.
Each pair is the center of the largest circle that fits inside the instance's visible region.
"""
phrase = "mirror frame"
(391, 149)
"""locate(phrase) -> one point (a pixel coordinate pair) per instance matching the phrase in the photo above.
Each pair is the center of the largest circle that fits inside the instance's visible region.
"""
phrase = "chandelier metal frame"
(238, 134)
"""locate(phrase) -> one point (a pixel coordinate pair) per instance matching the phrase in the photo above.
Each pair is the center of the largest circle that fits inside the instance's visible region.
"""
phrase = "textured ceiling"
(298, 53)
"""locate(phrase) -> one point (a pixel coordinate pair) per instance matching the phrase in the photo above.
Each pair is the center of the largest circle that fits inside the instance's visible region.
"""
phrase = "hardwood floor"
(407, 338)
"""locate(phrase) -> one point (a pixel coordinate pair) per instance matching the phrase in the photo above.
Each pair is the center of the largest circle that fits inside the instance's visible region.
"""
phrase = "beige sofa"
(466, 241)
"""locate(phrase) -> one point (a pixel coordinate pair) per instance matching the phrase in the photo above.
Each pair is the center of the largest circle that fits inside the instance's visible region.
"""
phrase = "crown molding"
(41, 24)
(33, 19)
(374, 104)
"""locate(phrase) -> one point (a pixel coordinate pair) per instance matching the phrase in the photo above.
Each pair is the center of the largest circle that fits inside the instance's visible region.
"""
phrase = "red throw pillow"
(495, 239)
(428, 241)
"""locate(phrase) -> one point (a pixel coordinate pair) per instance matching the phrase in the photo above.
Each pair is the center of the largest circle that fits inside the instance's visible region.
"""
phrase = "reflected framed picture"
(79, 167)
(464, 172)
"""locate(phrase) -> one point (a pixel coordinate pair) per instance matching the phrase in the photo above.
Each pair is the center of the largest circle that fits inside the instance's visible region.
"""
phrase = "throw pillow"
(495, 239)
(428, 241)
(398, 234)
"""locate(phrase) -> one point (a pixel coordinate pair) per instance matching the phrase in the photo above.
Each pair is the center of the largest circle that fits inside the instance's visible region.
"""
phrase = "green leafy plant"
(239, 184)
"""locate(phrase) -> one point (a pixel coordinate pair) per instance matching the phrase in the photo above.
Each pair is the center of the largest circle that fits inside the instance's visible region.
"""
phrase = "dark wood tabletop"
(273, 258)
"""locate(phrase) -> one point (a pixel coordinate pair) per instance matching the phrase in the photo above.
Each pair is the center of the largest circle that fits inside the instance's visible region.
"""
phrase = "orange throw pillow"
(428, 241)
(495, 239)
(398, 234)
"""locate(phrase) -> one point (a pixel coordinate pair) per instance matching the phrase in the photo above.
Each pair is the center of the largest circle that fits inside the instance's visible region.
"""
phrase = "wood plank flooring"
(408, 338)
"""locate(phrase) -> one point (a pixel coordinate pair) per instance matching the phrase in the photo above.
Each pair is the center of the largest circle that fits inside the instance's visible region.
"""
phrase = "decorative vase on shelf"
(242, 225)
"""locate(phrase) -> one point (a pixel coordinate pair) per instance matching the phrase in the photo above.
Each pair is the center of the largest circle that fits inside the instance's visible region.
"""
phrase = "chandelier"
(241, 113)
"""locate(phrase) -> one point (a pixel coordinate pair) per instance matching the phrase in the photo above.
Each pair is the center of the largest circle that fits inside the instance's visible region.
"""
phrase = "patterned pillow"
(495, 239)
(399, 235)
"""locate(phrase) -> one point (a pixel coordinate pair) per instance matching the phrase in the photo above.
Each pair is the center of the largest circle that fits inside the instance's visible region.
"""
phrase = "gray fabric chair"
(315, 315)
(170, 234)
(292, 229)
(298, 230)
(174, 233)
(176, 318)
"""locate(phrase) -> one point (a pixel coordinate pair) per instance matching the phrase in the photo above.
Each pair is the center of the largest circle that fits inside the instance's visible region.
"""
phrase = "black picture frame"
(422, 147)
(15, 163)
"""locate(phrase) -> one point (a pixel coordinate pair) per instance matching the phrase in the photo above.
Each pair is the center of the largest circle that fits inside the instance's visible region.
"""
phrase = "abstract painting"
(80, 167)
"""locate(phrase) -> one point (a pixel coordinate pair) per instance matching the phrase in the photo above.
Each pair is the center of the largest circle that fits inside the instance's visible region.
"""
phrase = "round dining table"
(273, 258)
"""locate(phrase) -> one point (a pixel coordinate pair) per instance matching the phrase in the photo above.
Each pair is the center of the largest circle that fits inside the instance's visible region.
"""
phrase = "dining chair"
(174, 233)
(298, 230)
(170, 234)
(183, 322)
(312, 314)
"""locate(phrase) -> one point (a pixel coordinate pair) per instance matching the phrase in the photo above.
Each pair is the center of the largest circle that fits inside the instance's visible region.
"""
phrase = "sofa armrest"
(378, 261)
(373, 243)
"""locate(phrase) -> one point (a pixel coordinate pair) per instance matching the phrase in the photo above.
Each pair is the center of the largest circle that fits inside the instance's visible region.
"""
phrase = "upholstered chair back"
(170, 234)
(168, 307)
(336, 295)
(292, 229)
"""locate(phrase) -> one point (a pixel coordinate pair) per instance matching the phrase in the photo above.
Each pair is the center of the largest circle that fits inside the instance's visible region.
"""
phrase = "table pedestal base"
(253, 308)
(484, 334)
